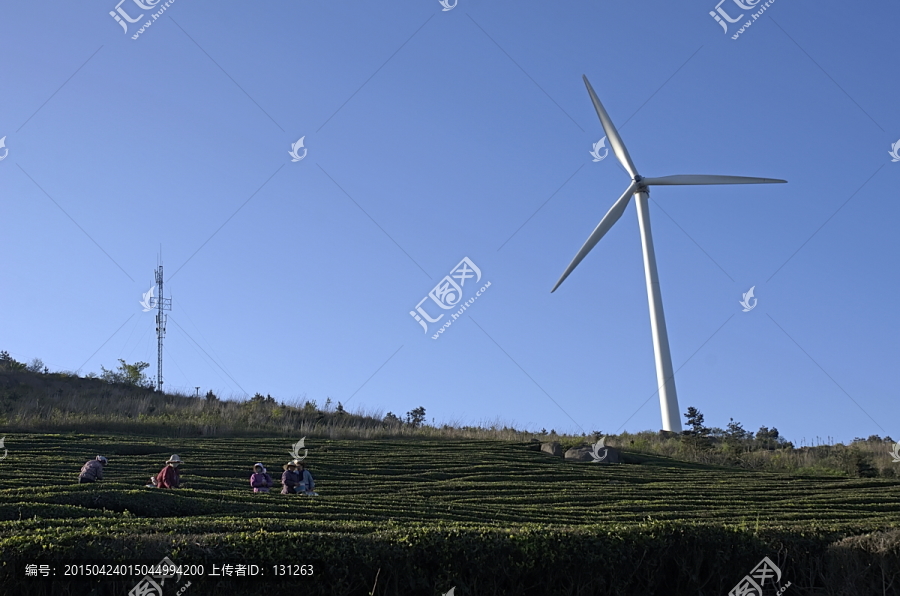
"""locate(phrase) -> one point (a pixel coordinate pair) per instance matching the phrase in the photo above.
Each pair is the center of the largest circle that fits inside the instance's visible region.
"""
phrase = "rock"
(579, 454)
(586, 454)
(552, 448)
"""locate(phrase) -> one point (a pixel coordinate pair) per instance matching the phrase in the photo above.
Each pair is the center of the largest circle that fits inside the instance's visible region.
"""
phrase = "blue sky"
(436, 135)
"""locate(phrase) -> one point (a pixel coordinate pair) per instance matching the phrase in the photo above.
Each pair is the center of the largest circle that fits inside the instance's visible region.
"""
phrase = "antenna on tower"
(162, 305)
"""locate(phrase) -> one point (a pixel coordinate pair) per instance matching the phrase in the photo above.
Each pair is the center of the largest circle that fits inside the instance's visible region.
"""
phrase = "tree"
(127, 374)
(10, 363)
(764, 433)
(340, 408)
(210, 396)
(392, 419)
(767, 438)
(36, 366)
(416, 417)
(735, 431)
(695, 421)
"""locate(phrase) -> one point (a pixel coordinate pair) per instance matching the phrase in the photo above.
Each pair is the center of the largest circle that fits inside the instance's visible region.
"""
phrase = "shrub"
(37, 366)
(415, 417)
(127, 374)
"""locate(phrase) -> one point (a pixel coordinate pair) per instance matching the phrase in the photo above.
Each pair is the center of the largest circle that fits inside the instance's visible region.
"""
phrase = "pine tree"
(695, 421)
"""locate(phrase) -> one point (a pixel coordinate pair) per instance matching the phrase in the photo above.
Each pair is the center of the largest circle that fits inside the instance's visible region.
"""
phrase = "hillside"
(464, 513)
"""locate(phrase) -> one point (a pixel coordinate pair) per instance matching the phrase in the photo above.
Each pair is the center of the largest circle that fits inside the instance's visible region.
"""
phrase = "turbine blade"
(611, 217)
(704, 179)
(615, 141)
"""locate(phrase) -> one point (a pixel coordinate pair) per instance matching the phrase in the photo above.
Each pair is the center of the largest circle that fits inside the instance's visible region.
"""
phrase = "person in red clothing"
(169, 477)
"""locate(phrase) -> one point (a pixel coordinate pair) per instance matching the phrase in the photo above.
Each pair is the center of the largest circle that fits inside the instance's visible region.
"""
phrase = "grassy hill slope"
(490, 517)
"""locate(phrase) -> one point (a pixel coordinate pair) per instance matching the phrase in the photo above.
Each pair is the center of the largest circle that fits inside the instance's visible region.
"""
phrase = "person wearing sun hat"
(260, 480)
(307, 484)
(92, 471)
(169, 477)
(290, 479)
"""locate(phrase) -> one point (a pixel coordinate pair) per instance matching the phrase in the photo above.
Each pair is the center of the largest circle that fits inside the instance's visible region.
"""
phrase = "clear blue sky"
(436, 135)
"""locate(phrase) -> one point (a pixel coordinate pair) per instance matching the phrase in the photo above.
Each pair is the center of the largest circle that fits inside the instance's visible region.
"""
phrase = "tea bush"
(489, 517)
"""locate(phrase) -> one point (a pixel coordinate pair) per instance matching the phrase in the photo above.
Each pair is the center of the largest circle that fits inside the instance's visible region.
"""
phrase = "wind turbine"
(639, 187)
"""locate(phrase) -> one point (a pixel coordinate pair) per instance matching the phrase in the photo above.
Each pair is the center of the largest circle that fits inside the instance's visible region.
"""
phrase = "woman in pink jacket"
(92, 471)
(260, 480)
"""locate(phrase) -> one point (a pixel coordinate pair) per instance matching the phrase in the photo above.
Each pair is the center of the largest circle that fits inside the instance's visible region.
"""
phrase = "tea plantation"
(420, 517)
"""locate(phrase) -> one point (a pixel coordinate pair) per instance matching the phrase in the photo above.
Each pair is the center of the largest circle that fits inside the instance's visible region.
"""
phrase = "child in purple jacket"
(260, 480)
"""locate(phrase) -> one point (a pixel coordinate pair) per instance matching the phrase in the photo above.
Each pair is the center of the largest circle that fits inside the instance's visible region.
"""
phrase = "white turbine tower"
(639, 187)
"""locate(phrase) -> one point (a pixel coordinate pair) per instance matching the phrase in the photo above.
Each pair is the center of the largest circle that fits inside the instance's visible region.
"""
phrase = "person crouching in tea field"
(307, 484)
(169, 477)
(290, 479)
(260, 480)
(92, 471)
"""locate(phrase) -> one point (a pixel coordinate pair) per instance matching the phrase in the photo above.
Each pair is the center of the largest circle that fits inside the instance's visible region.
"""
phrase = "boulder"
(585, 454)
(579, 454)
(552, 448)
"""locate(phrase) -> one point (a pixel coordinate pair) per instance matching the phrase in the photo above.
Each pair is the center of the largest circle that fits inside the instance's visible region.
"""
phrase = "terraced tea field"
(424, 513)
